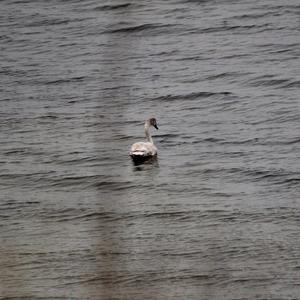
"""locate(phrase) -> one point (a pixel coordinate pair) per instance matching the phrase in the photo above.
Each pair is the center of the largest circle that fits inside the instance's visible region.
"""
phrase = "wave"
(292, 84)
(50, 179)
(190, 96)
(276, 176)
(226, 74)
(253, 16)
(48, 23)
(65, 80)
(70, 216)
(233, 29)
(240, 142)
(114, 6)
(138, 28)
(198, 2)
(269, 80)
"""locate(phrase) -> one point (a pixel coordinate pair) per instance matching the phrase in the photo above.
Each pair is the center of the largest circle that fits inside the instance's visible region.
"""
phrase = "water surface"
(216, 217)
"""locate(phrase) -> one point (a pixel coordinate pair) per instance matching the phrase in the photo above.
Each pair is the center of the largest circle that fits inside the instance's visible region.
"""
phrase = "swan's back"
(143, 148)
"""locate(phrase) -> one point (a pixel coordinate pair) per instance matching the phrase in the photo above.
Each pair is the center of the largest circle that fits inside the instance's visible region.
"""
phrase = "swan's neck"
(147, 133)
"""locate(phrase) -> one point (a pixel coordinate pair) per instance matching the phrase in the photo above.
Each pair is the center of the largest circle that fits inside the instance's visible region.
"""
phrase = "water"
(216, 217)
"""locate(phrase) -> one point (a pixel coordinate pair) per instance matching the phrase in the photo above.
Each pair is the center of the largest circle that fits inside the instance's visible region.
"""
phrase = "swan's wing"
(141, 148)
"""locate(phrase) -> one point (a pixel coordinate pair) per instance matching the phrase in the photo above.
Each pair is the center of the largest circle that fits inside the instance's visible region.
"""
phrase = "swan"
(142, 151)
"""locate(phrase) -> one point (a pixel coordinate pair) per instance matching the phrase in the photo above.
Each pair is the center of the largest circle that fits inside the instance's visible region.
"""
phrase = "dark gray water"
(217, 216)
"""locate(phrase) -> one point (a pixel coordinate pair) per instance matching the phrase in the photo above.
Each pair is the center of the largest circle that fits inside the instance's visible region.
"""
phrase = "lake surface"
(217, 216)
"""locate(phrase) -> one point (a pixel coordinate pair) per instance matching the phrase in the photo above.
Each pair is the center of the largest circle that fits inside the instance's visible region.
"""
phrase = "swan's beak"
(155, 126)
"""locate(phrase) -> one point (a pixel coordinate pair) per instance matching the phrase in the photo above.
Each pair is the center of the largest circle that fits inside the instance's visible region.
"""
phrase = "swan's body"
(142, 151)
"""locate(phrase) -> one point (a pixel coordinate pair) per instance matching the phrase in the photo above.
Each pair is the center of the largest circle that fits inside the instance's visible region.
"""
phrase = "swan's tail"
(137, 153)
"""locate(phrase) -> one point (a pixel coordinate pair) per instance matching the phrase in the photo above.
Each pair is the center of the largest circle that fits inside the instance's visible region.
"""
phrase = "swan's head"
(153, 123)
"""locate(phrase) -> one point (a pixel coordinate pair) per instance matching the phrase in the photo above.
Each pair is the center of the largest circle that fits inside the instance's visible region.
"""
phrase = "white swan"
(142, 151)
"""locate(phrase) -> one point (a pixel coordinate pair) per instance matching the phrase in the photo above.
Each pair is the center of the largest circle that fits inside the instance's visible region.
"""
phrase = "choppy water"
(217, 217)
